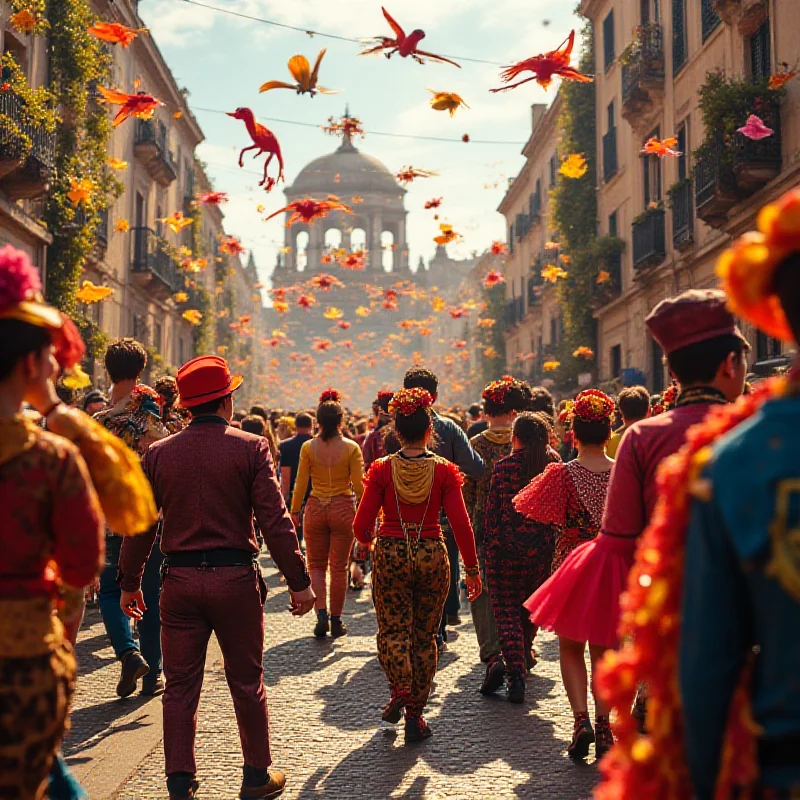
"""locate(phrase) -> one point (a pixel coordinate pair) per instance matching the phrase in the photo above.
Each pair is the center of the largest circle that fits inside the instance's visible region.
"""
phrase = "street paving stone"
(325, 699)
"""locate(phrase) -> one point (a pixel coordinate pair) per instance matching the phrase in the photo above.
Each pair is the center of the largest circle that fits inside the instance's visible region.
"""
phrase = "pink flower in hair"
(19, 279)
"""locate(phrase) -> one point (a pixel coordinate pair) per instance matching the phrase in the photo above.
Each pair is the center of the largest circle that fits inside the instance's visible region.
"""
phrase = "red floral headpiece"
(496, 391)
(383, 394)
(330, 396)
(593, 405)
(669, 397)
(408, 401)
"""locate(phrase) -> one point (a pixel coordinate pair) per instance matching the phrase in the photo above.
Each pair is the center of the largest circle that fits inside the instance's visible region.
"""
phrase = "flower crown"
(383, 394)
(330, 396)
(408, 401)
(669, 396)
(593, 405)
(566, 413)
(748, 266)
(496, 391)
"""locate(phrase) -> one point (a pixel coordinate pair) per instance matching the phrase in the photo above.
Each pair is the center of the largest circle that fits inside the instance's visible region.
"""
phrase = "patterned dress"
(570, 497)
(519, 552)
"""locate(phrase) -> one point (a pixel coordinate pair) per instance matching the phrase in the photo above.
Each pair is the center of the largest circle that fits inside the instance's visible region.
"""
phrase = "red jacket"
(208, 481)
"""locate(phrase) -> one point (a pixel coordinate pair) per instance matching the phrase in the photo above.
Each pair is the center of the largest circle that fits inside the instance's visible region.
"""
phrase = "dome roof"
(346, 171)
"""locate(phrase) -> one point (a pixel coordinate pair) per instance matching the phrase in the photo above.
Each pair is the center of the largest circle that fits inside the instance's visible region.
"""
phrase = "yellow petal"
(76, 379)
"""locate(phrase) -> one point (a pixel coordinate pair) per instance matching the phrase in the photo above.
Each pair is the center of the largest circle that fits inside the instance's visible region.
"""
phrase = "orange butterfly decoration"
(308, 210)
(139, 105)
(115, 32)
(655, 147)
(403, 44)
(305, 77)
(544, 67)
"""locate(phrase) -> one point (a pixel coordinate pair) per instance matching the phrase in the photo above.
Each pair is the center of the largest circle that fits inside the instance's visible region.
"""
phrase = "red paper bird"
(545, 67)
(306, 301)
(354, 261)
(405, 45)
(231, 245)
(407, 174)
(264, 141)
(493, 278)
(212, 198)
(434, 203)
(655, 147)
(115, 33)
(499, 248)
(326, 282)
(139, 105)
(308, 210)
(457, 313)
(305, 78)
(343, 324)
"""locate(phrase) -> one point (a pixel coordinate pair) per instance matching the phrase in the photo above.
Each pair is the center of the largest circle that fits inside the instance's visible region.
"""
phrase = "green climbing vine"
(200, 297)
(78, 62)
(574, 217)
(492, 340)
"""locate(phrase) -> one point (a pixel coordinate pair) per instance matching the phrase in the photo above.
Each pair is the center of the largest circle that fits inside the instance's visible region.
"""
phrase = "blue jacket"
(454, 446)
(732, 602)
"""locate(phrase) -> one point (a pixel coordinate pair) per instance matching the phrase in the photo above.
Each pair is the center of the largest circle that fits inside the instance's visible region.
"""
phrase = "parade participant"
(134, 416)
(476, 421)
(50, 526)
(451, 443)
(335, 467)
(411, 573)
(633, 404)
(502, 400)
(721, 575)
(290, 454)
(571, 496)
(519, 551)
(269, 432)
(173, 416)
(94, 401)
(209, 481)
(373, 445)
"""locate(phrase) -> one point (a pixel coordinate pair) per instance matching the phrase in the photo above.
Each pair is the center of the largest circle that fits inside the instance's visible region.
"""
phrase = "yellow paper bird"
(574, 166)
(122, 226)
(193, 316)
(362, 311)
(446, 101)
(117, 164)
(551, 273)
(448, 235)
(80, 190)
(181, 297)
(177, 222)
(438, 304)
(305, 77)
(280, 306)
(89, 293)
(551, 366)
(178, 114)
(76, 379)
(603, 277)
(333, 313)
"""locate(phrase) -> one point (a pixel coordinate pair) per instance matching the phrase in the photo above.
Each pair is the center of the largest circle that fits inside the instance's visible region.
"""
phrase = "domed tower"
(378, 222)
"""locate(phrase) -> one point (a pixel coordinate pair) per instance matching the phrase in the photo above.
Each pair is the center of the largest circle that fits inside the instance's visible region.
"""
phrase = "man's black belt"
(783, 751)
(211, 558)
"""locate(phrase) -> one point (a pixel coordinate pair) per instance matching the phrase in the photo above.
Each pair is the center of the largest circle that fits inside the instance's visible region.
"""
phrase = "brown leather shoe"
(272, 788)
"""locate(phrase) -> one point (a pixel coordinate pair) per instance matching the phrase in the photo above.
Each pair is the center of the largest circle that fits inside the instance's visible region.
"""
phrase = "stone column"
(290, 256)
(402, 246)
(374, 243)
(316, 243)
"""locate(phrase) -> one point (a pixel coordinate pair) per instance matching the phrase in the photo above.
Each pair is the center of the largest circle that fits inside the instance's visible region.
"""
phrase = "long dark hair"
(533, 432)
(329, 417)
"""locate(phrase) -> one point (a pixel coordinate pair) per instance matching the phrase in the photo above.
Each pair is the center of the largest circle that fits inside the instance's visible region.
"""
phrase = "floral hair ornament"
(747, 268)
(565, 414)
(408, 401)
(21, 299)
(669, 397)
(496, 391)
(330, 396)
(593, 405)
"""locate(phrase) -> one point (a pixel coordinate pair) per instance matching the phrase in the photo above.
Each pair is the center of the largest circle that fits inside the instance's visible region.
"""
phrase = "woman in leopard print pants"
(411, 574)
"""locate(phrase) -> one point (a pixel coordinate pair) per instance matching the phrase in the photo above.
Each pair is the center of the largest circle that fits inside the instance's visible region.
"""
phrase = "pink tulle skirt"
(580, 600)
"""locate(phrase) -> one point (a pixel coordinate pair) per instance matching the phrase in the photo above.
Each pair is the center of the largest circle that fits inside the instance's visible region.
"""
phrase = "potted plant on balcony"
(606, 254)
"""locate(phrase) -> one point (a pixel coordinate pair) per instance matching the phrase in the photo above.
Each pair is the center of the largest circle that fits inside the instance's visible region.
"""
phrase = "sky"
(223, 59)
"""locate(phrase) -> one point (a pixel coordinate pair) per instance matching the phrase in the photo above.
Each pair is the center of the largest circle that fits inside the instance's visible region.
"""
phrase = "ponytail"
(533, 432)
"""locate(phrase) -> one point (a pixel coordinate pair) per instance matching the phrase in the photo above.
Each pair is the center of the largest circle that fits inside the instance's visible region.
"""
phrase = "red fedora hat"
(204, 379)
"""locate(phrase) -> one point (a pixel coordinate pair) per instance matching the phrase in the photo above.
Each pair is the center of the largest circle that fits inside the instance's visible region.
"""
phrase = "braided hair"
(532, 430)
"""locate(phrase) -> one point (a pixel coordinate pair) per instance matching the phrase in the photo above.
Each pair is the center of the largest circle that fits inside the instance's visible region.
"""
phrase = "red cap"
(204, 379)
(691, 317)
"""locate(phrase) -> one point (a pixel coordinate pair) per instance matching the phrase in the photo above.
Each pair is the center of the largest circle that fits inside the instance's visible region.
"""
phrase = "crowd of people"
(572, 518)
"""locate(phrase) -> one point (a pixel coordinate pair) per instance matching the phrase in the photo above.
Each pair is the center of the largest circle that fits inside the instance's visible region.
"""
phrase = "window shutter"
(609, 49)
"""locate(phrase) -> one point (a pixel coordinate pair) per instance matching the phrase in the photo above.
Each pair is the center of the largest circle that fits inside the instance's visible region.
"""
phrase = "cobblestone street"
(325, 699)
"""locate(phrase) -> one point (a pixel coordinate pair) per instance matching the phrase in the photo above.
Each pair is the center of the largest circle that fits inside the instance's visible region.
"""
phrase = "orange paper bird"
(448, 235)
(499, 248)
(80, 190)
(139, 105)
(305, 78)
(655, 147)
(780, 79)
(544, 67)
(434, 203)
(177, 222)
(343, 324)
(446, 101)
(115, 33)
(493, 278)
(24, 20)
(407, 174)
(117, 163)
(326, 282)
(212, 198)
(307, 210)
(354, 260)
(122, 226)
(306, 301)
(404, 45)
(231, 245)
(264, 141)
(89, 293)
(458, 313)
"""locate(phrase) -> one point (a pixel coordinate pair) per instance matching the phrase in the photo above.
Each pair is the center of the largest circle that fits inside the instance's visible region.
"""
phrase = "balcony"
(682, 214)
(643, 72)
(152, 267)
(714, 186)
(746, 15)
(610, 154)
(610, 290)
(649, 239)
(25, 172)
(535, 283)
(514, 311)
(755, 164)
(150, 146)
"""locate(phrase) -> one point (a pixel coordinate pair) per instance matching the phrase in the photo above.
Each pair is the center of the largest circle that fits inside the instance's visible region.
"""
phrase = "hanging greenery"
(574, 217)
(200, 297)
(492, 340)
(78, 62)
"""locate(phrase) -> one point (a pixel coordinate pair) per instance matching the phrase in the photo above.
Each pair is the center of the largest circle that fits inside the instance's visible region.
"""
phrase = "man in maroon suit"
(209, 480)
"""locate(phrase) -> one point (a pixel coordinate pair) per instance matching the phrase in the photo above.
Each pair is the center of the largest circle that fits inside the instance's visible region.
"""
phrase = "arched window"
(333, 239)
(387, 250)
(358, 239)
(301, 250)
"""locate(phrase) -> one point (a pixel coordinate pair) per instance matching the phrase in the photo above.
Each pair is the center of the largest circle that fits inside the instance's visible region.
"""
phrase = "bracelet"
(473, 572)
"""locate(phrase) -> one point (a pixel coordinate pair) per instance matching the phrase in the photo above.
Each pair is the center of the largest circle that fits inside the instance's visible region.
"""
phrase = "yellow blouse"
(343, 477)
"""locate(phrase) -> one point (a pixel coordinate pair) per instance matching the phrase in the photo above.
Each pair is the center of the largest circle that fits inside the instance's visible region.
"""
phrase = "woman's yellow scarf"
(413, 477)
(500, 436)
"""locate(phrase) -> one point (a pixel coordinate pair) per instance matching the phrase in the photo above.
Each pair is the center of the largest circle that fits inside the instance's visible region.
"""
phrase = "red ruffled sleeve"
(456, 511)
(545, 498)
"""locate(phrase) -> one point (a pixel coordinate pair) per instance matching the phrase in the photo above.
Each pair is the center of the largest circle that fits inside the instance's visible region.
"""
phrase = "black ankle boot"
(516, 689)
(582, 737)
(338, 628)
(323, 625)
(181, 785)
(495, 674)
(417, 729)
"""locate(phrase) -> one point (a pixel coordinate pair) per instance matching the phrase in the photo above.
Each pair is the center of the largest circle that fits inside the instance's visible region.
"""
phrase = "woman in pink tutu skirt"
(576, 601)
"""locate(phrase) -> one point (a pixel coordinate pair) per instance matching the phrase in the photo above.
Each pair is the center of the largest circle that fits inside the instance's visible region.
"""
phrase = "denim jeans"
(452, 606)
(118, 626)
